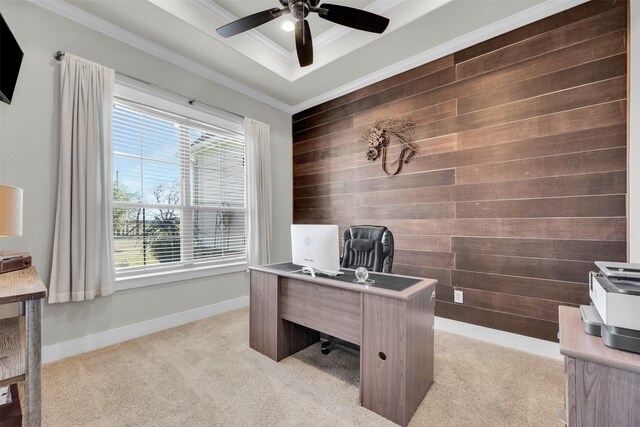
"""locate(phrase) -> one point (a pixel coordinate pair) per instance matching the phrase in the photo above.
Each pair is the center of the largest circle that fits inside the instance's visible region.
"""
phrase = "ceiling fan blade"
(304, 44)
(354, 18)
(248, 22)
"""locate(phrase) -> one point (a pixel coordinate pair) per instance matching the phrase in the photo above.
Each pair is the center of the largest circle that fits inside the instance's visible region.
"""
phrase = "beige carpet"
(204, 374)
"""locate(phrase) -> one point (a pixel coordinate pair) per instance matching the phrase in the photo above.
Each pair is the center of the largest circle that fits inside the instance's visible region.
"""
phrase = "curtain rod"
(192, 101)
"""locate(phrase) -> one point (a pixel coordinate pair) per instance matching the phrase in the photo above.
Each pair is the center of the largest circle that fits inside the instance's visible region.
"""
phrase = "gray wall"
(29, 159)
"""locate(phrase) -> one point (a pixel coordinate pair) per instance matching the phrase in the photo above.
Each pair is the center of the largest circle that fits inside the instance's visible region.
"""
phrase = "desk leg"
(396, 355)
(270, 335)
(383, 357)
(33, 317)
(263, 314)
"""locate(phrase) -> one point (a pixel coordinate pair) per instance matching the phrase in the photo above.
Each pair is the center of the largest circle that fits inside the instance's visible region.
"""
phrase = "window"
(178, 192)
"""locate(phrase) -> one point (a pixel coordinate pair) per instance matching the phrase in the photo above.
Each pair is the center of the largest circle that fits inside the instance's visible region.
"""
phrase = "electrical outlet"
(458, 296)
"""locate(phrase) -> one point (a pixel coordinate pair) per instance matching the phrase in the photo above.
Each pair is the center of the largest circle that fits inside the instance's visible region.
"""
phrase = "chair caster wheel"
(325, 345)
(326, 351)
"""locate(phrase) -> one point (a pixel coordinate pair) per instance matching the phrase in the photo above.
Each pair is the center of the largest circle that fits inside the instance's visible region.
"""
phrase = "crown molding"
(103, 26)
(520, 19)
(334, 33)
(224, 15)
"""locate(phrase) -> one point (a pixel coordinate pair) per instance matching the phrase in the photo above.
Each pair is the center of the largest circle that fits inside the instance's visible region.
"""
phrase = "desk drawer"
(333, 311)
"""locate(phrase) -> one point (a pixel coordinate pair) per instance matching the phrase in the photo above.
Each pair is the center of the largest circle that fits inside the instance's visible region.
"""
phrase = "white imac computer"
(316, 248)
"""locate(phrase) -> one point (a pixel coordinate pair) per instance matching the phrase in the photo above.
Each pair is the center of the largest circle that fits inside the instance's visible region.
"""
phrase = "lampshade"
(10, 211)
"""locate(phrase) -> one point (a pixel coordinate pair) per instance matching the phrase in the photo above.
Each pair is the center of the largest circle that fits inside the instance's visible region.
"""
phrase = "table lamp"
(10, 226)
(10, 211)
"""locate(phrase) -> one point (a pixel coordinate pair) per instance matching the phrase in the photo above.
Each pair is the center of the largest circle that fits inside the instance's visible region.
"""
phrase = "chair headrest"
(367, 232)
(364, 245)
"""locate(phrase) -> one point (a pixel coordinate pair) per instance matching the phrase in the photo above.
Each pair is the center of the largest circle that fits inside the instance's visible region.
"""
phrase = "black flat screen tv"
(10, 61)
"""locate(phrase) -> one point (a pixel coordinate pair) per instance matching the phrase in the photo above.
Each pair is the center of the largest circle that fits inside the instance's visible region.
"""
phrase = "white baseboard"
(501, 338)
(53, 352)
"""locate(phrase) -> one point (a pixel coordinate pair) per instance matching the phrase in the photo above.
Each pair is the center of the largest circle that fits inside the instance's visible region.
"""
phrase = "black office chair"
(368, 246)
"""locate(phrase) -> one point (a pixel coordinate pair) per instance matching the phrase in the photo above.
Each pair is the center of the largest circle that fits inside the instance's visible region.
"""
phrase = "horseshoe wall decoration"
(382, 134)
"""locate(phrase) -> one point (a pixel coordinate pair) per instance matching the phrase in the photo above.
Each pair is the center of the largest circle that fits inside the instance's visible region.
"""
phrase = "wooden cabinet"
(20, 338)
(602, 384)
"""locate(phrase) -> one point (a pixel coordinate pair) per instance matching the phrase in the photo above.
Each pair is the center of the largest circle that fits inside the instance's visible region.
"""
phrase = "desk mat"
(382, 281)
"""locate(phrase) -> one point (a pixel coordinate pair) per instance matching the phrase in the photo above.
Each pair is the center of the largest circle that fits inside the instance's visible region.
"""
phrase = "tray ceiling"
(263, 62)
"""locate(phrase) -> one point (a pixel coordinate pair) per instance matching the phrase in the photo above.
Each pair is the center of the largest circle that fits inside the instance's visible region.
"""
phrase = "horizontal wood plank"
(564, 143)
(324, 202)
(570, 271)
(431, 178)
(343, 123)
(563, 186)
(424, 258)
(590, 117)
(574, 14)
(537, 228)
(602, 69)
(328, 105)
(413, 211)
(317, 214)
(567, 35)
(574, 250)
(407, 76)
(413, 242)
(535, 308)
(442, 275)
(586, 206)
(557, 290)
(614, 159)
(498, 320)
(420, 115)
(568, 99)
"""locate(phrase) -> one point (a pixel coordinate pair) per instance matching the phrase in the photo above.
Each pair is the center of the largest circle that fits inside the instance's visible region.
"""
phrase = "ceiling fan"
(300, 9)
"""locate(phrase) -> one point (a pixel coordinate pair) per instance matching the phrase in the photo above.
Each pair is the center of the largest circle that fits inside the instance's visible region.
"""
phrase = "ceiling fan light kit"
(287, 25)
(299, 9)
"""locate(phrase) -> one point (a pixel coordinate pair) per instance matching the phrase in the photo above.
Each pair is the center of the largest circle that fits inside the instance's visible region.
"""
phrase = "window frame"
(225, 123)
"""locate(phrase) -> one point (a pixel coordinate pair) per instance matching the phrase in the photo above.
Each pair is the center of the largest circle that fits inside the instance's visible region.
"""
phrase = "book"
(4, 255)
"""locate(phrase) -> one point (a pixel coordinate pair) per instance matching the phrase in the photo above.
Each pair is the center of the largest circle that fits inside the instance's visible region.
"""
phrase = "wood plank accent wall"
(520, 180)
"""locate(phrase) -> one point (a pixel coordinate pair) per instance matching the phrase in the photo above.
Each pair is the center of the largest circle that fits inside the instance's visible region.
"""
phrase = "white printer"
(614, 313)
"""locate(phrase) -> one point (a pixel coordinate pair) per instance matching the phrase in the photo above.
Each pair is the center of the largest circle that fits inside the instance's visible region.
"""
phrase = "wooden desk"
(602, 384)
(393, 328)
(20, 338)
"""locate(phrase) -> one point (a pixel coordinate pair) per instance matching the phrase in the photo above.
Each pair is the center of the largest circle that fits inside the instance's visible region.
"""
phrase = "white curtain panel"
(258, 157)
(82, 266)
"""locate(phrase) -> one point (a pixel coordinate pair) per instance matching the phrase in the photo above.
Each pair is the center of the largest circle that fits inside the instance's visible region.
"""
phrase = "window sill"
(150, 279)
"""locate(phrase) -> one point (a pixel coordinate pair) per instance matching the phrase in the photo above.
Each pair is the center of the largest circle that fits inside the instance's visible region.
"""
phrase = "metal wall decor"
(382, 134)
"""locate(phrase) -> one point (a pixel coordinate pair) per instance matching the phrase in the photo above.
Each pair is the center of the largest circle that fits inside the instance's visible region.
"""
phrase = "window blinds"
(178, 190)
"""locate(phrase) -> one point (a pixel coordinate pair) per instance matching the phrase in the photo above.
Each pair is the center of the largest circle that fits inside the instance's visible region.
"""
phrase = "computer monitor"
(316, 247)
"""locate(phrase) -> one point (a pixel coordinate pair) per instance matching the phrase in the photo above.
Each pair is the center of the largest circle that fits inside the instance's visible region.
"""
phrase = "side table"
(21, 338)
